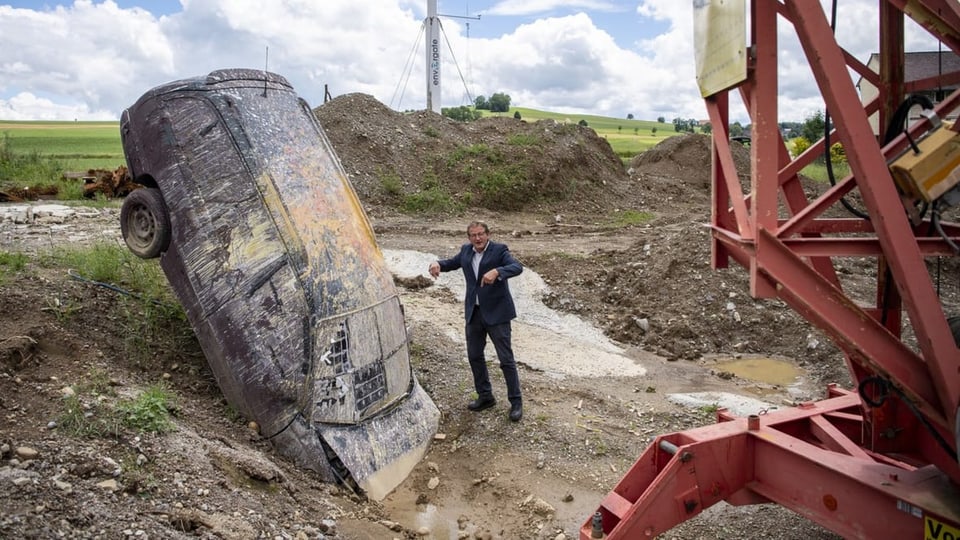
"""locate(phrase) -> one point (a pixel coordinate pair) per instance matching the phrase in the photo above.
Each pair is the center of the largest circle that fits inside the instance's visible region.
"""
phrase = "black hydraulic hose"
(831, 175)
(883, 387)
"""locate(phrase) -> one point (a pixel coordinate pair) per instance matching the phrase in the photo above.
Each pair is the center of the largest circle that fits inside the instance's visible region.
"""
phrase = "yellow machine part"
(933, 170)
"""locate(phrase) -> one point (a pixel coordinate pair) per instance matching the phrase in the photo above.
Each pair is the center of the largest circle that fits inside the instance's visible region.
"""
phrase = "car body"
(266, 245)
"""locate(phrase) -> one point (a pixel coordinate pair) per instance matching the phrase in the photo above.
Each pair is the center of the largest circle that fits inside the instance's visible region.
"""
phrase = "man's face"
(478, 237)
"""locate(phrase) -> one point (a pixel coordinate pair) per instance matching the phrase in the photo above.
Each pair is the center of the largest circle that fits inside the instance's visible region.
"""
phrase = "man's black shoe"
(516, 412)
(480, 404)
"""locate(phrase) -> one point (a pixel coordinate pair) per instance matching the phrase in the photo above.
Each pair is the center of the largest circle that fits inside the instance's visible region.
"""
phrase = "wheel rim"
(142, 227)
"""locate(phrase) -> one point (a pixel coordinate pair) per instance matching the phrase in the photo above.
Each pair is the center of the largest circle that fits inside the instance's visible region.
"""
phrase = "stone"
(25, 452)
(542, 507)
(108, 485)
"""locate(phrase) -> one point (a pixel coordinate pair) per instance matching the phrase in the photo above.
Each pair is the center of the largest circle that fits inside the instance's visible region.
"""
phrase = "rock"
(108, 485)
(25, 452)
(643, 323)
(542, 507)
(392, 525)
(423, 531)
(433, 483)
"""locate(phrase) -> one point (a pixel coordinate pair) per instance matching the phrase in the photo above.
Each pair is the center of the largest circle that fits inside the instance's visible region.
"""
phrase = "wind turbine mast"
(432, 25)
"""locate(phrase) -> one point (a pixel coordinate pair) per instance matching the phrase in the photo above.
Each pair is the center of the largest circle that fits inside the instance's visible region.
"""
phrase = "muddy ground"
(641, 316)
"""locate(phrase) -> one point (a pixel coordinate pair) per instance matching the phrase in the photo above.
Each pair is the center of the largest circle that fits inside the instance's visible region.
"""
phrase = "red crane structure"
(880, 460)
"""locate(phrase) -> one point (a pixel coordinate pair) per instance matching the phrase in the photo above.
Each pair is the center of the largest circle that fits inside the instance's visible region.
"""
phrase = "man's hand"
(489, 277)
(434, 269)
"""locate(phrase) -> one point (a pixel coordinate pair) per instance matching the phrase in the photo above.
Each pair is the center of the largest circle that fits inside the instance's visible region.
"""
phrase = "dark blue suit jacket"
(496, 303)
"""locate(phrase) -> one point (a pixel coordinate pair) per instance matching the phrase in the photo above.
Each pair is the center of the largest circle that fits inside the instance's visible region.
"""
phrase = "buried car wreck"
(267, 247)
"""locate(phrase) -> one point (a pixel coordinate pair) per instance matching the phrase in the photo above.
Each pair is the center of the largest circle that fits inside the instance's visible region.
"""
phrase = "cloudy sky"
(88, 60)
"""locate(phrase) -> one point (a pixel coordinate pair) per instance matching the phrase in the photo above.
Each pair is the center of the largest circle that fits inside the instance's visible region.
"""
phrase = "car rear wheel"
(145, 223)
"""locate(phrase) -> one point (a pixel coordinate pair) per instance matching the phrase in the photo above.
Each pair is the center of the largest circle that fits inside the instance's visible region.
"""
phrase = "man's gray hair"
(474, 224)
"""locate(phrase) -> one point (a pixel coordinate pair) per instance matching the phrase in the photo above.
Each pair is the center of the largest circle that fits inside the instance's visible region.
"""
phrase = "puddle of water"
(485, 514)
(762, 369)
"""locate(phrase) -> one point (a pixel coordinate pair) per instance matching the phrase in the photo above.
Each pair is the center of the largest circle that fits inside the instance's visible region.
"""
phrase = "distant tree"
(681, 125)
(582, 122)
(661, 119)
(619, 129)
(461, 113)
(499, 102)
(630, 116)
(481, 103)
(653, 131)
(813, 126)
(636, 130)
(706, 128)
(516, 114)
(736, 130)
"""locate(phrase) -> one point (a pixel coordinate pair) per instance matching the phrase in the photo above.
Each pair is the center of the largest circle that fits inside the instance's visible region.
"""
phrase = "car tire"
(145, 223)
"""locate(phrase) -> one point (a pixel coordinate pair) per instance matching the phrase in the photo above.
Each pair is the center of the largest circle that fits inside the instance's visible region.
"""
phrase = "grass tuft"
(150, 411)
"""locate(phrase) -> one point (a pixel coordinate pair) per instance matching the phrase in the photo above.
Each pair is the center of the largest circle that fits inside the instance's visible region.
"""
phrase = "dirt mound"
(678, 169)
(422, 161)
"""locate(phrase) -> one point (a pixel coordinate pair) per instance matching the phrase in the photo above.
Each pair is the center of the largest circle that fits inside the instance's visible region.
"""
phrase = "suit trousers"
(477, 333)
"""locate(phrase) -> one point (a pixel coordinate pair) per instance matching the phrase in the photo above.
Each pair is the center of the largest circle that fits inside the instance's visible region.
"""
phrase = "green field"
(627, 137)
(78, 146)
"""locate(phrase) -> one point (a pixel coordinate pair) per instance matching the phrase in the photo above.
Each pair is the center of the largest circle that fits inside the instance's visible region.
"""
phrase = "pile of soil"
(540, 166)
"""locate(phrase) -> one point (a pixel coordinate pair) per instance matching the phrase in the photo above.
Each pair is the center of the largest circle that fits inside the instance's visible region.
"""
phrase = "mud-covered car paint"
(280, 275)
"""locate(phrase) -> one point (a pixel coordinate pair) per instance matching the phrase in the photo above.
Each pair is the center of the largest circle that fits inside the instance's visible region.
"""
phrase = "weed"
(474, 152)
(709, 409)
(82, 420)
(502, 187)
(150, 411)
(25, 168)
(390, 182)
(627, 218)
(818, 171)
(61, 309)
(431, 198)
(522, 139)
(97, 383)
(15, 262)
(430, 131)
(600, 448)
(11, 263)
(152, 318)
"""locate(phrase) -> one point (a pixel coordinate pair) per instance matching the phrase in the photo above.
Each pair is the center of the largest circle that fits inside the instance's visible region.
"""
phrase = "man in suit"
(488, 310)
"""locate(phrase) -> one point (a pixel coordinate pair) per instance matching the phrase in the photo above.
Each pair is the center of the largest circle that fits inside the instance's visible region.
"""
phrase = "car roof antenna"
(266, 63)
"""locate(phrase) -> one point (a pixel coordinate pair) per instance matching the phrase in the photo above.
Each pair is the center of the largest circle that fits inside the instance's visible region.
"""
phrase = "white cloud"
(26, 106)
(103, 58)
(533, 7)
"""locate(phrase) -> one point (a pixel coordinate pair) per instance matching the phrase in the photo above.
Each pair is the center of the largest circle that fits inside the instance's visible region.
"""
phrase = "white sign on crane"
(432, 25)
